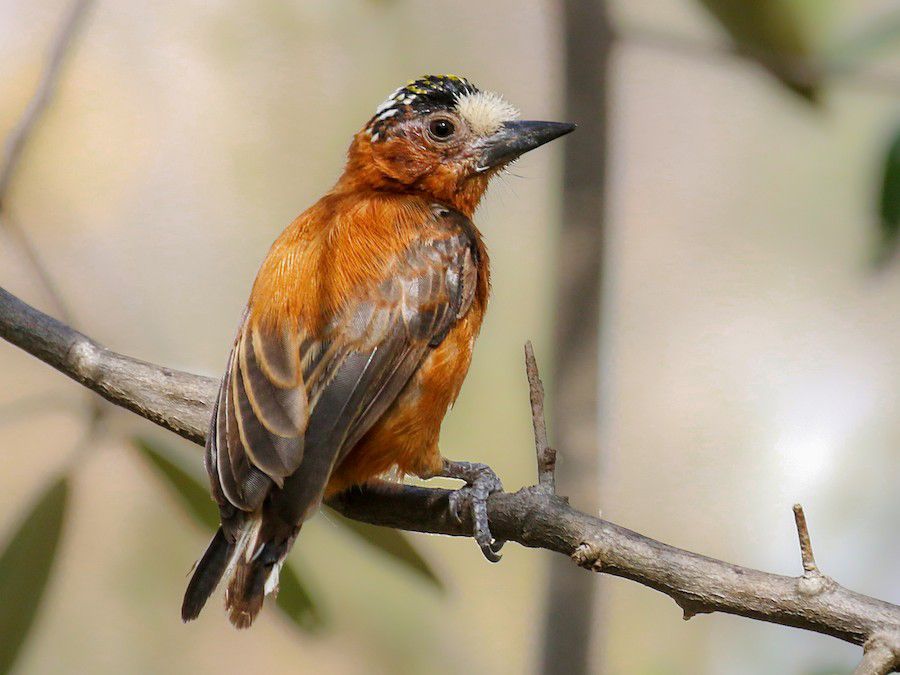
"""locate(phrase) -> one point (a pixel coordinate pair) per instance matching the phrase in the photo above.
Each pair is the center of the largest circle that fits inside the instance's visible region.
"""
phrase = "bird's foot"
(481, 483)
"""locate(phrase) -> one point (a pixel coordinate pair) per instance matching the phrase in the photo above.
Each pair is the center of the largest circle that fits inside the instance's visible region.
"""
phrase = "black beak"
(516, 138)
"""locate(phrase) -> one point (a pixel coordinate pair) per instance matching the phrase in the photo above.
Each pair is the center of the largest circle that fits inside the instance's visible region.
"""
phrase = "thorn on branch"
(690, 607)
(813, 581)
(806, 552)
(546, 456)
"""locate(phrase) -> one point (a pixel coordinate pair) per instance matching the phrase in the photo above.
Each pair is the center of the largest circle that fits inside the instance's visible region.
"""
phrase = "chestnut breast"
(405, 439)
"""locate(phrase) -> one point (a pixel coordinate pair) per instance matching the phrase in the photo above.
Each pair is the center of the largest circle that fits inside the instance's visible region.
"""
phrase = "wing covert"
(292, 403)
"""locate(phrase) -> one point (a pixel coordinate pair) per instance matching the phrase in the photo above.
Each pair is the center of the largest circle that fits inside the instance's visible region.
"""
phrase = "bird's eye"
(441, 129)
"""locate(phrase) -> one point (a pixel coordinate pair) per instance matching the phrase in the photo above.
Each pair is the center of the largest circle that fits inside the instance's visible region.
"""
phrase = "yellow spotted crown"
(419, 97)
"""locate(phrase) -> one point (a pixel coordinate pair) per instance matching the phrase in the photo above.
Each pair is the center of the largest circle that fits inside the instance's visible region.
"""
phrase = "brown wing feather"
(292, 403)
(297, 396)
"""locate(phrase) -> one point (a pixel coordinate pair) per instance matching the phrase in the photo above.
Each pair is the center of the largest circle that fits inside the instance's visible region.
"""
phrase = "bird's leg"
(481, 482)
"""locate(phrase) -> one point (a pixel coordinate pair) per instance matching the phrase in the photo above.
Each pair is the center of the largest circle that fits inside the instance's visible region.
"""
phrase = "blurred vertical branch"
(11, 159)
(570, 620)
(18, 138)
(26, 561)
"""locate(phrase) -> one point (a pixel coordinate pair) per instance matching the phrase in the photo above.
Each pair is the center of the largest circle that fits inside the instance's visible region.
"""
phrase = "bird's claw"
(481, 483)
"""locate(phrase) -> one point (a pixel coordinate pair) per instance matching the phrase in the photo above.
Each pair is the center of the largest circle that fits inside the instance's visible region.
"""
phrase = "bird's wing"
(292, 404)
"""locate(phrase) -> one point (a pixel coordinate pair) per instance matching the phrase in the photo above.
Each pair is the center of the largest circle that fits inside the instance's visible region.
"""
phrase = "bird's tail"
(255, 568)
(207, 574)
(250, 563)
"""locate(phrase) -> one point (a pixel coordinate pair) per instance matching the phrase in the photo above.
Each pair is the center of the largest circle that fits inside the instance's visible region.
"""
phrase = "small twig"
(806, 552)
(17, 139)
(21, 239)
(881, 655)
(546, 456)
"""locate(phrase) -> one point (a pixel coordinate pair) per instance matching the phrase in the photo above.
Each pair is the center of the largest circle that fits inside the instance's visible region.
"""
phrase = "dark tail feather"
(257, 576)
(207, 575)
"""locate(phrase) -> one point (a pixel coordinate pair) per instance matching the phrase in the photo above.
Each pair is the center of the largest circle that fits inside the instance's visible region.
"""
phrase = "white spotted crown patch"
(483, 111)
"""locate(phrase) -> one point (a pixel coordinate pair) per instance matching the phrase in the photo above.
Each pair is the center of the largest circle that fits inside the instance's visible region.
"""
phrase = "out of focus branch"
(49, 79)
(18, 138)
(15, 144)
(574, 620)
(533, 517)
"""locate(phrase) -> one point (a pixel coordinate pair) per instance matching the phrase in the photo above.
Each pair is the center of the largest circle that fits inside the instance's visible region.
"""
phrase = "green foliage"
(393, 543)
(778, 34)
(25, 567)
(889, 204)
(294, 599)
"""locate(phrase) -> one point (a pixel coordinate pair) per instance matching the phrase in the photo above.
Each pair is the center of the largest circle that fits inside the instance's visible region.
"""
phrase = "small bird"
(358, 335)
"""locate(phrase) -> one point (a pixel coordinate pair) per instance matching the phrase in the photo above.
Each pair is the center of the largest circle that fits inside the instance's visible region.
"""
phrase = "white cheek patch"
(485, 112)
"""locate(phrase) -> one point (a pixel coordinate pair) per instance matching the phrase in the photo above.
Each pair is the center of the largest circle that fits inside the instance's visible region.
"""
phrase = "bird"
(358, 334)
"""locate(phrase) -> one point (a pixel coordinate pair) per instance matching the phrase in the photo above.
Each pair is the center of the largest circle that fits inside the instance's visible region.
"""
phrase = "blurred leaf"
(877, 35)
(293, 597)
(778, 34)
(889, 208)
(25, 567)
(191, 493)
(392, 542)
(296, 602)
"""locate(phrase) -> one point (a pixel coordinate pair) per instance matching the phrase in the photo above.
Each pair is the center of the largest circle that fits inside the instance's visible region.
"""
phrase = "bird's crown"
(432, 93)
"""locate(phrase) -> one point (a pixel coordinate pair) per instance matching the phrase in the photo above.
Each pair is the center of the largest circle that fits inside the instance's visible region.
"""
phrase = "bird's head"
(443, 137)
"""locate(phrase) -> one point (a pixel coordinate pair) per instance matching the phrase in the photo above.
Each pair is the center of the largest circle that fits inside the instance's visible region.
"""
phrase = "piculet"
(358, 335)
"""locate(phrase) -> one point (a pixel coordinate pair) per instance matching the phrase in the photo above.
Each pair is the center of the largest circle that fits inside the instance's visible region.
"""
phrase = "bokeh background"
(750, 345)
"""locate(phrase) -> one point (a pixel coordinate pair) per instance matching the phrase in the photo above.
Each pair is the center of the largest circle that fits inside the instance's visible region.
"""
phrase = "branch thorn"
(806, 552)
(546, 456)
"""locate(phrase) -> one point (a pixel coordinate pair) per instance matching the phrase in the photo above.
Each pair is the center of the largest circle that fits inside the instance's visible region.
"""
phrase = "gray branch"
(533, 516)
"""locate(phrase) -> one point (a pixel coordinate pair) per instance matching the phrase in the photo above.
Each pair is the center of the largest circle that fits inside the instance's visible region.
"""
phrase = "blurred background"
(728, 210)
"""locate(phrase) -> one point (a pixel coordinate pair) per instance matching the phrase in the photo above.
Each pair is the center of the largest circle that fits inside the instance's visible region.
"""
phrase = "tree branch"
(178, 401)
(881, 655)
(533, 517)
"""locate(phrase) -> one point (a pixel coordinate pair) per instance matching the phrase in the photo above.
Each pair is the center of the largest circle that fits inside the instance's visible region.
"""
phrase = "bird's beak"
(516, 138)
